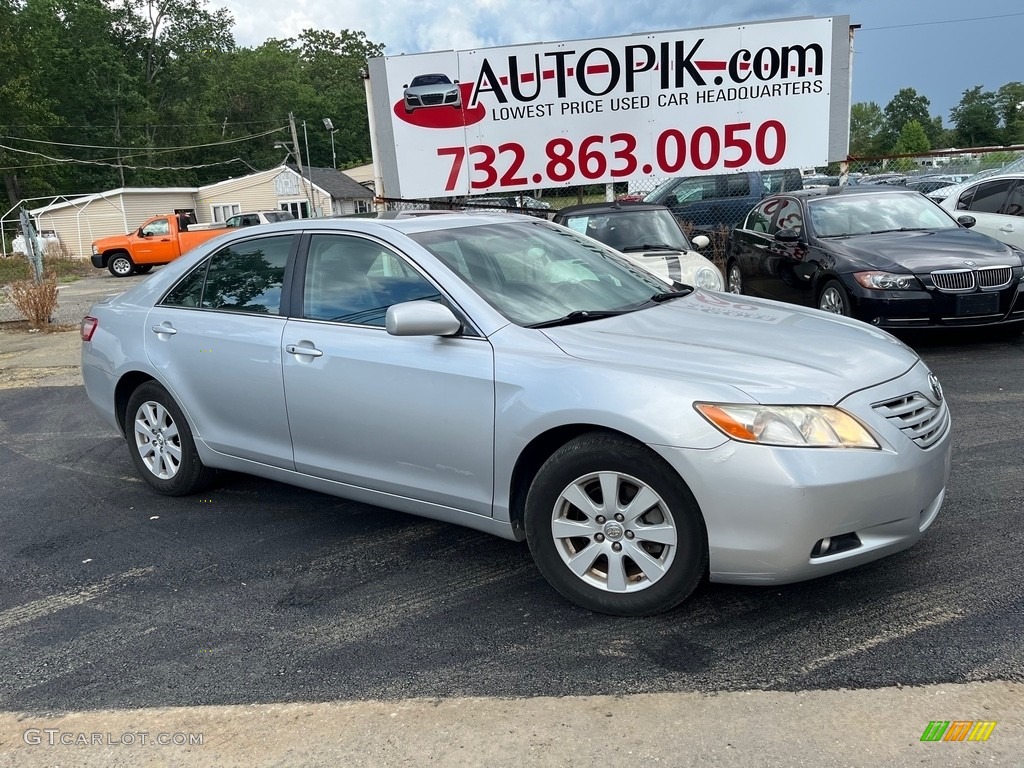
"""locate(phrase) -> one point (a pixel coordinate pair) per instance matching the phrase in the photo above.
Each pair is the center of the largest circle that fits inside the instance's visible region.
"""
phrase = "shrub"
(35, 301)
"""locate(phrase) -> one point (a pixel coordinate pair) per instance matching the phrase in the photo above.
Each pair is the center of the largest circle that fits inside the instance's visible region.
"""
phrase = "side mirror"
(421, 318)
(787, 235)
(406, 85)
(143, 233)
(966, 221)
(700, 242)
(455, 82)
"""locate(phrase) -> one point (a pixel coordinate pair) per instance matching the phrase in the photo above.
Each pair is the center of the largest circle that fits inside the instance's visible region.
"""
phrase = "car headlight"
(887, 281)
(811, 426)
(709, 279)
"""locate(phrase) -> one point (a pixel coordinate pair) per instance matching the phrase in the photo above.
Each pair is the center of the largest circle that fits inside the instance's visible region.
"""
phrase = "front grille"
(954, 280)
(994, 277)
(432, 98)
(917, 417)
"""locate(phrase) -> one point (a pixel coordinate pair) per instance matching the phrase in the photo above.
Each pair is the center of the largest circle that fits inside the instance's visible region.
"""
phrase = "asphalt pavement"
(255, 593)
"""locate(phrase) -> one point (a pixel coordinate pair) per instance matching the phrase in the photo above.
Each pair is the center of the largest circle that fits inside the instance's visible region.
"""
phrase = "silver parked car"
(510, 375)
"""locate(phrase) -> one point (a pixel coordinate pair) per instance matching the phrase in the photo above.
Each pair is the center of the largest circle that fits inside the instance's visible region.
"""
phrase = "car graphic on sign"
(433, 90)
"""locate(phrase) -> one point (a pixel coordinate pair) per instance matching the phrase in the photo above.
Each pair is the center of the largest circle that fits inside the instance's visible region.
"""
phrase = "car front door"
(789, 274)
(409, 416)
(998, 208)
(753, 242)
(215, 338)
(156, 244)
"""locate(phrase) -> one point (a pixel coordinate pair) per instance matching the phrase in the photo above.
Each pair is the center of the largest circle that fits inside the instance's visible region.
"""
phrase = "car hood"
(108, 243)
(772, 352)
(922, 252)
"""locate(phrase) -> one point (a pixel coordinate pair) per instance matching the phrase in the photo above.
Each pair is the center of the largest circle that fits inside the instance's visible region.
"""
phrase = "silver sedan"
(507, 374)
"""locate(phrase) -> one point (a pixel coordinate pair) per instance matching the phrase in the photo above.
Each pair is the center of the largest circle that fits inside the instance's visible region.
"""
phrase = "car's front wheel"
(614, 529)
(161, 444)
(734, 278)
(121, 265)
(833, 298)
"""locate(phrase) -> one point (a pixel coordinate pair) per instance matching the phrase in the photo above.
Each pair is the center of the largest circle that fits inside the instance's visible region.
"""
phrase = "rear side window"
(247, 276)
(1015, 206)
(188, 292)
(988, 197)
(735, 185)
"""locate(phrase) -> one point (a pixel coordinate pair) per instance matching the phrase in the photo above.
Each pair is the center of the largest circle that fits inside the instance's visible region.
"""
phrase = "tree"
(905, 106)
(1010, 105)
(913, 140)
(976, 118)
(866, 122)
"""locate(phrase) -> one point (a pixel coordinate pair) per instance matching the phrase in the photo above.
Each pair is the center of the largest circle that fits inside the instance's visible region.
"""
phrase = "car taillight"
(89, 326)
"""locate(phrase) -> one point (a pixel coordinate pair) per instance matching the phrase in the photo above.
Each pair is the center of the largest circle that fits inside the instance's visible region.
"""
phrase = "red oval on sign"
(443, 116)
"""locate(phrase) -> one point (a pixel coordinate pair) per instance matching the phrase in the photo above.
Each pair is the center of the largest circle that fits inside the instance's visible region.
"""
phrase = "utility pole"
(298, 162)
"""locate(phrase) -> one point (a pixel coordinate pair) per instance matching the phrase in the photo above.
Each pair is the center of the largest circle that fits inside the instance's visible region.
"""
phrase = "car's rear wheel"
(161, 443)
(734, 278)
(614, 529)
(833, 298)
(121, 265)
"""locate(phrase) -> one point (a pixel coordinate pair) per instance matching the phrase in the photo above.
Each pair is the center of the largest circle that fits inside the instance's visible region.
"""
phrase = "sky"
(901, 43)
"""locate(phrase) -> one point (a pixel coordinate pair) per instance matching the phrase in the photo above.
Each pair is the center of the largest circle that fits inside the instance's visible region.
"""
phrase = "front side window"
(156, 228)
(790, 216)
(1015, 205)
(988, 197)
(247, 276)
(350, 279)
(189, 291)
(760, 219)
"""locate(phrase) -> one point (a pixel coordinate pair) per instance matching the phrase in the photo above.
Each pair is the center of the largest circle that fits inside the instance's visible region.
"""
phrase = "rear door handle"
(168, 329)
(1006, 228)
(295, 349)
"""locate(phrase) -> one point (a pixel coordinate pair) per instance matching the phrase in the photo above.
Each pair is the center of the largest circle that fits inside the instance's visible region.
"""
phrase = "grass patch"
(56, 260)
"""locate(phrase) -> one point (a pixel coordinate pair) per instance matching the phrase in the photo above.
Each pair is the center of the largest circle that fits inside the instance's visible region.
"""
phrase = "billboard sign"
(684, 102)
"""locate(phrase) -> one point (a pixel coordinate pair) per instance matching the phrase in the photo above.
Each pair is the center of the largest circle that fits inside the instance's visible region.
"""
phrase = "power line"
(145, 149)
(74, 161)
(946, 21)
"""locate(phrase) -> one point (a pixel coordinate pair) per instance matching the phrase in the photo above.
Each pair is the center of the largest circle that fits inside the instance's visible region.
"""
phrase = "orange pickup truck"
(158, 241)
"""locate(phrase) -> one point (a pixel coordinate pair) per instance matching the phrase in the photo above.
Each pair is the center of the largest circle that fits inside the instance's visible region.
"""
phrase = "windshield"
(538, 272)
(864, 214)
(631, 230)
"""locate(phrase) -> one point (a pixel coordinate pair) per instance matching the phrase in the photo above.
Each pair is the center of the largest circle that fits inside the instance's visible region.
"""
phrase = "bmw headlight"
(811, 426)
(709, 279)
(887, 281)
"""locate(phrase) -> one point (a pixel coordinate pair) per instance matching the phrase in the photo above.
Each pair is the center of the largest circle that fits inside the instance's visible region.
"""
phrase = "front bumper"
(768, 509)
(932, 308)
(98, 261)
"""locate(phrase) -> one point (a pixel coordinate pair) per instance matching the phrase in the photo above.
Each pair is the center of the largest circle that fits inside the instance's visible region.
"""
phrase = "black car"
(885, 255)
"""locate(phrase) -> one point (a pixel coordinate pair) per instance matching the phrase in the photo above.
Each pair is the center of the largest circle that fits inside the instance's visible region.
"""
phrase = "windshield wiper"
(682, 290)
(650, 247)
(580, 316)
(900, 229)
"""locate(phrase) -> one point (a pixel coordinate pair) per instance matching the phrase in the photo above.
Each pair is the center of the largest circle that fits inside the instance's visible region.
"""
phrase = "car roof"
(606, 208)
(871, 189)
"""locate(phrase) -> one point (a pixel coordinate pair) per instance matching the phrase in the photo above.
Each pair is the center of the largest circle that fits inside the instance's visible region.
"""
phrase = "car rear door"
(998, 208)
(215, 338)
(408, 416)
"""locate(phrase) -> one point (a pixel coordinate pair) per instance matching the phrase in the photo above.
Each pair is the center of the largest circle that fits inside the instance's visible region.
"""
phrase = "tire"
(834, 298)
(161, 445)
(667, 535)
(143, 269)
(734, 278)
(120, 264)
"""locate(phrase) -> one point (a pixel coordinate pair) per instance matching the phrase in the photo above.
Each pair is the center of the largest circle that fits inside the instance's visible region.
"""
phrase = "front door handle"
(295, 349)
(167, 329)
(1006, 228)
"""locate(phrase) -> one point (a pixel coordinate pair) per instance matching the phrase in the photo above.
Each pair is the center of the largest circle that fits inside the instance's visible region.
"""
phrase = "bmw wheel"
(161, 443)
(614, 529)
(734, 279)
(121, 265)
(833, 298)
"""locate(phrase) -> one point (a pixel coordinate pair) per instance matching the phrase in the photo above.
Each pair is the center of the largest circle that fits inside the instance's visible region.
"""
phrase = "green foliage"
(905, 106)
(866, 123)
(121, 81)
(912, 140)
(976, 118)
(1010, 104)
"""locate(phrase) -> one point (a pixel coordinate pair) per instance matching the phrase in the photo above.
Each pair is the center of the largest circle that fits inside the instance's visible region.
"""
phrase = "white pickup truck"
(247, 219)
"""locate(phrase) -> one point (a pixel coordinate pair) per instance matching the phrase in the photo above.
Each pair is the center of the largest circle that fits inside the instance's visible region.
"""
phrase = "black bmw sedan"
(885, 255)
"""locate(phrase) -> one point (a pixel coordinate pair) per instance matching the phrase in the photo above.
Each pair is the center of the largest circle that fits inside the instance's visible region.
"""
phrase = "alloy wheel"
(157, 440)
